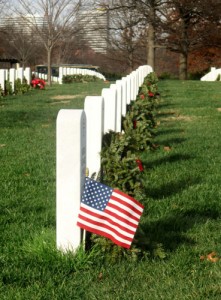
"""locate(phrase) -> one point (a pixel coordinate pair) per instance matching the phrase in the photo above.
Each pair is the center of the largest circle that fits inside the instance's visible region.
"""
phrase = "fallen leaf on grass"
(27, 174)
(155, 146)
(2, 145)
(167, 148)
(210, 257)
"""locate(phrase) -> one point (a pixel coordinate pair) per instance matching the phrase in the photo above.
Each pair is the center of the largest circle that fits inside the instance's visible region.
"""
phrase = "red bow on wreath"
(38, 83)
(140, 165)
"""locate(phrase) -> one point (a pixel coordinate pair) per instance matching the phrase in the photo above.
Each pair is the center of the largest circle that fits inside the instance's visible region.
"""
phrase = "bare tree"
(125, 38)
(146, 17)
(50, 21)
(150, 19)
(187, 27)
(20, 44)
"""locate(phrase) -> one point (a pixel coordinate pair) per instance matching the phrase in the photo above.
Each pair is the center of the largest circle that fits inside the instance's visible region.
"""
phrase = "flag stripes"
(109, 213)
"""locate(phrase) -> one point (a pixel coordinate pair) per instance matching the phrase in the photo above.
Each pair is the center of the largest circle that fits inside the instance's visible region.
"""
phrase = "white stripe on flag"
(107, 215)
(127, 200)
(124, 207)
(107, 223)
(104, 230)
(116, 212)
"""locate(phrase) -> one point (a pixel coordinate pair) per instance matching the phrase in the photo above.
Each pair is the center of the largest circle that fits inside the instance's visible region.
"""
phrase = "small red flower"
(142, 96)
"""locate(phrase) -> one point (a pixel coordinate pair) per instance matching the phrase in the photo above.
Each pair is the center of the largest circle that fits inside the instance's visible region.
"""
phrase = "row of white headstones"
(63, 71)
(76, 71)
(20, 73)
(12, 74)
(78, 145)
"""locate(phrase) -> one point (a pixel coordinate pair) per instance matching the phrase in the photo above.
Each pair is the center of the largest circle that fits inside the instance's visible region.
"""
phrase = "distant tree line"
(167, 34)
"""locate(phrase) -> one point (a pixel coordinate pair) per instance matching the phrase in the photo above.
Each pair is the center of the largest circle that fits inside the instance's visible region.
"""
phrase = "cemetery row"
(64, 71)
(25, 75)
(79, 144)
(12, 75)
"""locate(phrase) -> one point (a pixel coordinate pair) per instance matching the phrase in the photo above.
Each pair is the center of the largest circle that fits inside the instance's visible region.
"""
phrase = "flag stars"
(96, 194)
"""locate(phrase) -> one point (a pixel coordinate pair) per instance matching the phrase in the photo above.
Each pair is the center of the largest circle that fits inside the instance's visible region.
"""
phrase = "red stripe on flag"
(101, 221)
(124, 203)
(105, 234)
(111, 215)
(129, 197)
(121, 210)
(126, 221)
(105, 226)
(118, 221)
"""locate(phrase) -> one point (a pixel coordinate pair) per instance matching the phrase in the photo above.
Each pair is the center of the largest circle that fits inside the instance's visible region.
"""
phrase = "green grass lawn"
(182, 201)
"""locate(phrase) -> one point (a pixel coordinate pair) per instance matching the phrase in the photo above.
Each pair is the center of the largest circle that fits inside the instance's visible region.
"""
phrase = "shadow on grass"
(168, 159)
(166, 131)
(171, 230)
(11, 119)
(165, 104)
(170, 142)
(171, 188)
(166, 114)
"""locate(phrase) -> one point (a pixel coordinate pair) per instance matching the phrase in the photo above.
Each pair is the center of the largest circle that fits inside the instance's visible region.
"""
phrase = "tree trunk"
(151, 39)
(183, 66)
(151, 47)
(49, 50)
(185, 48)
(130, 62)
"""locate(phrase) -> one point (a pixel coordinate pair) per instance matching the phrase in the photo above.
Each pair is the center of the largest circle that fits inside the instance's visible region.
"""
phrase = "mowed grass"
(182, 201)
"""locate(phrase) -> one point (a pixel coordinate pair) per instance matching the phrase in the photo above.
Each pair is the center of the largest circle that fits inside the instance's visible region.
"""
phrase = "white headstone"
(7, 74)
(60, 75)
(65, 71)
(128, 78)
(2, 79)
(94, 110)
(135, 85)
(12, 76)
(71, 168)
(20, 74)
(27, 75)
(148, 69)
(132, 84)
(138, 82)
(124, 96)
(110, 108)
(118, 87)
(140, 79)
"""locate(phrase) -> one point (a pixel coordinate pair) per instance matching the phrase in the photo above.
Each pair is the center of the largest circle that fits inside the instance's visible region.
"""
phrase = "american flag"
(109, 212)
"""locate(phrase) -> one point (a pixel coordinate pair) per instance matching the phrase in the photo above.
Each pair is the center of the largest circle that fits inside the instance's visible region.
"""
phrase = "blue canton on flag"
(96, 194)
(109, 212)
